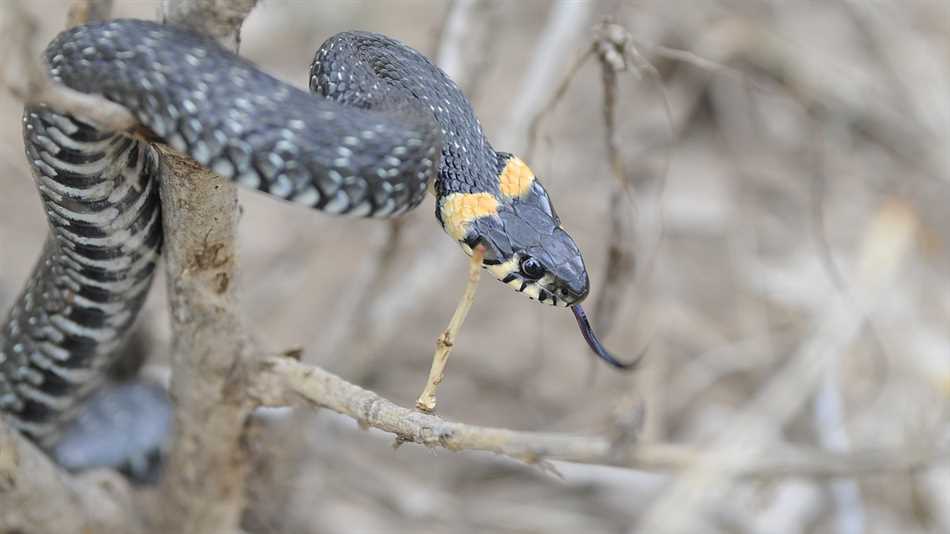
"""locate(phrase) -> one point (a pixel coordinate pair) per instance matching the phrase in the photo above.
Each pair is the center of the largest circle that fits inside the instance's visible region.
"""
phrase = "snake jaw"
(546, 290)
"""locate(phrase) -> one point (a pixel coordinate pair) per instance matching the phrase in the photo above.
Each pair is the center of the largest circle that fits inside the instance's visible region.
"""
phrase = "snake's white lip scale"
(366, 143)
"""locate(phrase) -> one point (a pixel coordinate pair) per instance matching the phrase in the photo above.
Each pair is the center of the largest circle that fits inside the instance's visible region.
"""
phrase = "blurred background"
(788, 170)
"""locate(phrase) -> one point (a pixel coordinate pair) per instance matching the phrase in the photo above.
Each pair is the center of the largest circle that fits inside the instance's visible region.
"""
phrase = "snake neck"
(372, 71)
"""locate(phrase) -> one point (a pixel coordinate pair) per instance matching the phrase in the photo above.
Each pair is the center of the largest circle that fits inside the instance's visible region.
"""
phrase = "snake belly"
(368, 143)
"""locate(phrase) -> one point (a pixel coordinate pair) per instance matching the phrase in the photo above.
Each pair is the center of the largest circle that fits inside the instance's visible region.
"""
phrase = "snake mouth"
(541, 290)
(547, 289)
(536, 291)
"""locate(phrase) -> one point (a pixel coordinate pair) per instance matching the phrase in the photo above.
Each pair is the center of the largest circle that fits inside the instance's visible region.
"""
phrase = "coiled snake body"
(382, 123)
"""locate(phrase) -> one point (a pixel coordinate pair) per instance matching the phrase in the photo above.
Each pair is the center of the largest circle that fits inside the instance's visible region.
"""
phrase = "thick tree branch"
(83, 11)
(203, 489)
(221, 19)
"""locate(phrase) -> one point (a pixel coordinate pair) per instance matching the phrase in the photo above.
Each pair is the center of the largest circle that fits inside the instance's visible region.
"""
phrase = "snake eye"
(531, 268)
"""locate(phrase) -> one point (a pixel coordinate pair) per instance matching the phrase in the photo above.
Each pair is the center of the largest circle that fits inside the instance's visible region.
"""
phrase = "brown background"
(805, 135)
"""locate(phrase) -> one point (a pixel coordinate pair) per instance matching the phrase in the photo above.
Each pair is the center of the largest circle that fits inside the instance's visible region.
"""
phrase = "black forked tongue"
(596, 345)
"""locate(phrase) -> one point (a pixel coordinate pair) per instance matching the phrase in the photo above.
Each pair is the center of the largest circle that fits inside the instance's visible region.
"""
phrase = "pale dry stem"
(445, 342)
(285, 380)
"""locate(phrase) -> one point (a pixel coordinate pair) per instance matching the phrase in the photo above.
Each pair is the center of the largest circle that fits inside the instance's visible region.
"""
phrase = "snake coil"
(381, 123)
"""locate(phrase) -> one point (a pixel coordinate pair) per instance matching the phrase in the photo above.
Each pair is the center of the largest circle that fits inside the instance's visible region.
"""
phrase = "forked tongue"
(595, 344)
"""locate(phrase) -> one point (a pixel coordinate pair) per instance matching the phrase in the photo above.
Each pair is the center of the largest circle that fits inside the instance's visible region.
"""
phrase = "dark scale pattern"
(370, 70)
(245, 124)
(91, 279)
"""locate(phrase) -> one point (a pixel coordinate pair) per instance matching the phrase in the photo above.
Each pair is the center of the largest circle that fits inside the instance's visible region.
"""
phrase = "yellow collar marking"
(516, 178)
(460, 209)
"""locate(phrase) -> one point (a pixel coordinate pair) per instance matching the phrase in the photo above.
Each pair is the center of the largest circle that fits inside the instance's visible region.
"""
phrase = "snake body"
(381, 123)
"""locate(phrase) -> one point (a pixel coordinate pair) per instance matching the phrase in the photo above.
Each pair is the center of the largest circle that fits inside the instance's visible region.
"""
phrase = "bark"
(203, 490)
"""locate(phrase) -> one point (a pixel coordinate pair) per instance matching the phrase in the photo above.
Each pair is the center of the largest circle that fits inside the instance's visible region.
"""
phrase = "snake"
(380, 127)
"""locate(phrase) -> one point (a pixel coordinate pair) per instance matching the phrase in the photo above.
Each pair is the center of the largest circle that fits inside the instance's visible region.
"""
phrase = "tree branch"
(221, 19)
(285, 380)
(203, 489)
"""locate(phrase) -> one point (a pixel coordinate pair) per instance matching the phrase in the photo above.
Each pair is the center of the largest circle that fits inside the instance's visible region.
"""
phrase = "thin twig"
(618, 52)
(613, 46)
(694, 59)
(443, 346)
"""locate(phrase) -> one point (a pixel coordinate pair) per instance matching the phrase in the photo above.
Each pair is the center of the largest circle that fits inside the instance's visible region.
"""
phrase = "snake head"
(526, 248)
(525, 245)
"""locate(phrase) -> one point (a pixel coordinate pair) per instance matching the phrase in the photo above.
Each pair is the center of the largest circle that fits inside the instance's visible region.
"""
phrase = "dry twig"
(443, 346)
(614, 50)
(285, 379)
